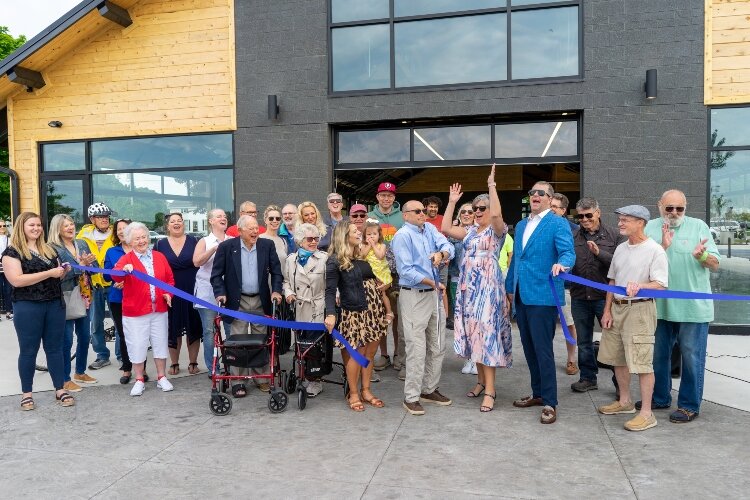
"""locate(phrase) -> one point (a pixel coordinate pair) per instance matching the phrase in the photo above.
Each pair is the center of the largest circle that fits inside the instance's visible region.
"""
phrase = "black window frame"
(508, 82)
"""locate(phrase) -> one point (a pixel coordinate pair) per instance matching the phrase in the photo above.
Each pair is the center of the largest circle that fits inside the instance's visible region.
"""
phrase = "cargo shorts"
(630, 341)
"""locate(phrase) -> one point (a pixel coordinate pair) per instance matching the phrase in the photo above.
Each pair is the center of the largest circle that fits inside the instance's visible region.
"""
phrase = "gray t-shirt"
(642, 263)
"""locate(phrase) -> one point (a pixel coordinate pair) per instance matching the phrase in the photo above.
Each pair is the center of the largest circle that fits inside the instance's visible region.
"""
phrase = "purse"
(75, 306)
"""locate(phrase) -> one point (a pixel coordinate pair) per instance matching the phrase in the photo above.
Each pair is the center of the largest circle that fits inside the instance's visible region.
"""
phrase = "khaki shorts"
(566, 309)
(630, 341)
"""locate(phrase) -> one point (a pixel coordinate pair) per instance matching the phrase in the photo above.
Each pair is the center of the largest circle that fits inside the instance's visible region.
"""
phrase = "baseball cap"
(387, 186)
(638, 211)
(358, 207)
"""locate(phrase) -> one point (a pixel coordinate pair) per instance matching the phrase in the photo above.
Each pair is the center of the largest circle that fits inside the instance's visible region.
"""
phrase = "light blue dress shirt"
(412, 248)
(249, 269)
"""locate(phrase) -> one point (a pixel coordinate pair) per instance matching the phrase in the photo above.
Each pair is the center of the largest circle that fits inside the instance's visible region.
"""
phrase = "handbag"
(75, 305)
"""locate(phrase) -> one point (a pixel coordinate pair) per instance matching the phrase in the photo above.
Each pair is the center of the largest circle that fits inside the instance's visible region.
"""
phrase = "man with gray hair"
(246, 208)
(595, 244)
(335, 205)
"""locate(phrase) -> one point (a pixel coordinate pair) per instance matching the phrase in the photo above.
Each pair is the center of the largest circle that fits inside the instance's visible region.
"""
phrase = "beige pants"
(423, 320)
(251, 305)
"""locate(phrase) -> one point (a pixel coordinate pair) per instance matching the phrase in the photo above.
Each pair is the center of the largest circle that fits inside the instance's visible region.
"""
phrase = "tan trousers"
(251, 305)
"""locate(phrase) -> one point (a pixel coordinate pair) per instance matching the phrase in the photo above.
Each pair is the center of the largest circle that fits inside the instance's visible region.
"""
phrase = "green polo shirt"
(685, 272)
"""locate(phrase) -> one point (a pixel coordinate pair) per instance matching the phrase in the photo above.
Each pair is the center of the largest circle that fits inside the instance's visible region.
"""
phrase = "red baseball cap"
(387, 186)
(357, 207)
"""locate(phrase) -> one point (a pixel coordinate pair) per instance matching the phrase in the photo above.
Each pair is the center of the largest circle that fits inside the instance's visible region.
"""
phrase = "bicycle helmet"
(99, 209)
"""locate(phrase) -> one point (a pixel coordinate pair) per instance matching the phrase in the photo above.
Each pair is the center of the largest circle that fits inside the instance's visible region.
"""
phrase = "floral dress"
(482, 324)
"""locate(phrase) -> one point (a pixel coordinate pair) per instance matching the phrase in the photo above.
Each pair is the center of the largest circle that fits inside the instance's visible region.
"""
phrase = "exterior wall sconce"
(55, 124)
(273, 107)
(650, 85)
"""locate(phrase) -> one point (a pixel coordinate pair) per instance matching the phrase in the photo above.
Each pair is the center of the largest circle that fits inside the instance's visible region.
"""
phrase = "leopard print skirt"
(363, 327)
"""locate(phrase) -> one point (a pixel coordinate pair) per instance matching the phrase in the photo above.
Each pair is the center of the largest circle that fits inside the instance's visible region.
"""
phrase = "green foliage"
(8, 43)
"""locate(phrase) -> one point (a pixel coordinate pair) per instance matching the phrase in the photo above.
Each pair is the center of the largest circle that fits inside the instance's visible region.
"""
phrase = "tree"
(8, 44)
(719, 158)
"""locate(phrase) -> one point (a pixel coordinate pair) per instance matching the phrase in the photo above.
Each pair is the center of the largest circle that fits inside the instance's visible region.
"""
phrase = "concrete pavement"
(112, 446)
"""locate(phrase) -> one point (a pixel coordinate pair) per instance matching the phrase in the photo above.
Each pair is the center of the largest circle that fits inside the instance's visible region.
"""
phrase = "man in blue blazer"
(240, 277)
(543, 244)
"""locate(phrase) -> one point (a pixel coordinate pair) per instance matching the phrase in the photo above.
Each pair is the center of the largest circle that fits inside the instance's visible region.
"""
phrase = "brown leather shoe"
(571, 368)
(435, 398)
(414, 408)
(549, 415)
(527, 402)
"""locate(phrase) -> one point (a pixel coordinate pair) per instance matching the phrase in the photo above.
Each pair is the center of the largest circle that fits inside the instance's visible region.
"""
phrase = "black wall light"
(650, 86)
(55, 124)
(273, 107)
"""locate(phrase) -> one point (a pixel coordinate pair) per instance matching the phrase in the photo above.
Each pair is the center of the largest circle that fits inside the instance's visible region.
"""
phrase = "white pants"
(142, 330)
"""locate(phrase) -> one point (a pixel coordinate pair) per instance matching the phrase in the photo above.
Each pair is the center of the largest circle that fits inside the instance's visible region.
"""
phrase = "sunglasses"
(335, 201)
(418, 211)
(670, 209)
(357, 216)
(310, 239)
(463, 212)
(274, 219)
(127, 221)
(586, 216)
(480, 208)
(539, 192)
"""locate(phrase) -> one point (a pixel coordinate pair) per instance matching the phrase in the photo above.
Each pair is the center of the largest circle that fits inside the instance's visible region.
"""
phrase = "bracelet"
(704, 257)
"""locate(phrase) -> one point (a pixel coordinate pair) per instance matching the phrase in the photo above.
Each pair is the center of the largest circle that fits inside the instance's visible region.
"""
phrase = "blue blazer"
(551, 243)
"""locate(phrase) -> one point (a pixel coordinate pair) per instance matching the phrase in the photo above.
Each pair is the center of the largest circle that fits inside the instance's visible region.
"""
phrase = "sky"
(29, 17)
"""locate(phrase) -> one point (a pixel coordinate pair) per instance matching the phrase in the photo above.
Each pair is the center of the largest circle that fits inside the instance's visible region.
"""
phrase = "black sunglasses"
(274, 219)
(587, 216)
(417, 211)
(462, 212)
(670, 209)
(540, 192)
(310, 239)
(479, 208)
(357, 216)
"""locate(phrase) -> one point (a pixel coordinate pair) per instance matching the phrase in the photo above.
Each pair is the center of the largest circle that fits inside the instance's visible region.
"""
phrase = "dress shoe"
(527, 402)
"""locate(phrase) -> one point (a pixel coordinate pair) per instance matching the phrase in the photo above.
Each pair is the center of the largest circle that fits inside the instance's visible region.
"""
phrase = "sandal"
(485, 408)
(473, 394)
(239, 391)
(27, 403)
(193, 368)
(174, 369)
(65, 399)
(356, 406)
(373, 401)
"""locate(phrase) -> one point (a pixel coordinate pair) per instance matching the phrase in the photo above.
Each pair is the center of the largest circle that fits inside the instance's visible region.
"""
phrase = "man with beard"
(692, 255)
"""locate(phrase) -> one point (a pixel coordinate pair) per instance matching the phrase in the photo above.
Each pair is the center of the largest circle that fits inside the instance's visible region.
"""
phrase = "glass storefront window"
(729, 209)
(358, 10)
(64, 156)
(545, 43)
(65, 196)
(453, 143)
(403, 8)
(453, 50)
(162, 152)
(361, 57)
(536, 140)
(373, 146)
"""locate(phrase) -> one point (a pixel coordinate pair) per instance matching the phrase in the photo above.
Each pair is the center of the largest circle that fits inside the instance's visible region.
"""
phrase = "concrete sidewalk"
(169, 444)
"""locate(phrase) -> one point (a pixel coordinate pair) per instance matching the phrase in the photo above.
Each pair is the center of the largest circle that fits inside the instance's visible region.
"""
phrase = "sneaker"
(414, 408)
(99, 363)
(467, 367)
(641, 423)
(473, 370)
(397, 364)
(583, 386)
(138, 388)
(682, 416)
(571, 368)
(617, 408)
(164, 384)
(264, 387)
(82, 378)
(374, 377)
(435, 398)
(382, 362)
(654, 406)
(71, 386)
(314, 388)
(402, 373)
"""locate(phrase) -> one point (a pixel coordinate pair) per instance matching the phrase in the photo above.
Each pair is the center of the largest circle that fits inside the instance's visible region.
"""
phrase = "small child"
(374, 250)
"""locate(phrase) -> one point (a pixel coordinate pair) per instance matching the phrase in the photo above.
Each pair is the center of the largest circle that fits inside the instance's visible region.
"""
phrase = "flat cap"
(638, 211)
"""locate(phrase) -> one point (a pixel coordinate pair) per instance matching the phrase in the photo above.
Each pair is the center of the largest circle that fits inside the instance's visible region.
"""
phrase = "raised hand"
(666, 235)
(455, 193)
(491, 179)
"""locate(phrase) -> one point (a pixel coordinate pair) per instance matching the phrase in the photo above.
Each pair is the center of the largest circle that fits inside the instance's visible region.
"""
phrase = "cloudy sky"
(29, 17)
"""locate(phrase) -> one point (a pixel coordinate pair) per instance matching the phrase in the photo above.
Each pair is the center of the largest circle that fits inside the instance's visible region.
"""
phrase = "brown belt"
(628, 302)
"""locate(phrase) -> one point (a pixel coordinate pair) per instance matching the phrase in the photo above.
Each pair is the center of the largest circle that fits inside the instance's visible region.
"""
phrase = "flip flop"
(174, 369)
(193, 368)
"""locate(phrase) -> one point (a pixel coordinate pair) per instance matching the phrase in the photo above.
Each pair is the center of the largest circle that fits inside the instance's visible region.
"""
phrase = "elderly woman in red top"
(144, 307)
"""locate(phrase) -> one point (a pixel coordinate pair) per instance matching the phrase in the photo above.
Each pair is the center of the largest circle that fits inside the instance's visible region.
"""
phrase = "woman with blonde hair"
(272, 219)
(34, 269)
(307, 212)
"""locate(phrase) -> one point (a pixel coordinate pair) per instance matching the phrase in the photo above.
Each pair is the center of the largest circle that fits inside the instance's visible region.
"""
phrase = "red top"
(234, 233)
(136, 297)
(437, 221)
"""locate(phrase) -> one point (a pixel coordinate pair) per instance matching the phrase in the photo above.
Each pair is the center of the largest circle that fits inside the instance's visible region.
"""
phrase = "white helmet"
(99, 209)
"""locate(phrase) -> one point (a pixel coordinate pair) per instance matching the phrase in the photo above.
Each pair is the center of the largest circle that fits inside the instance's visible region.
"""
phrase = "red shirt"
(234, 233)
(437, 221)
(136, 296)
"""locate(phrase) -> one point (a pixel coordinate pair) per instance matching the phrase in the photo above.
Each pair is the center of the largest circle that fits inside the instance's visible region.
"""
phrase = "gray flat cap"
(638, 211)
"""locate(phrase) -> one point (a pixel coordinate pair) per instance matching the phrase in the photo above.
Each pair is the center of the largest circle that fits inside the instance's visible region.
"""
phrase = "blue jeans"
(537, 326)
(692, 339)
(5, 290)
(584, 312)
(207, 321)
(40, 322)
(97, 313)
(82, 327)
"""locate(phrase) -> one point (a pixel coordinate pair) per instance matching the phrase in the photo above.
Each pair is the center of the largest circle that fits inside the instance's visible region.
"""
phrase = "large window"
(141, 178)
(729, 208)
(385, 45)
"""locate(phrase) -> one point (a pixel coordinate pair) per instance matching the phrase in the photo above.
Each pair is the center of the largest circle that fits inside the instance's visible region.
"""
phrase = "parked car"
(714, 235)
(727, 225)
(154, 236)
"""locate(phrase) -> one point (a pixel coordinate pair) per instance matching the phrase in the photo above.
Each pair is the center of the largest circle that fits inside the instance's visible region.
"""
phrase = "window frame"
(508, 82)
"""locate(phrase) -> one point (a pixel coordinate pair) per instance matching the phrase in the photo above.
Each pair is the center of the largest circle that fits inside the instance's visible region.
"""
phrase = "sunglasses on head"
(357, 216)
(126, 221)
(539, 192)
(274, 219)
(479, 208)
(463, 212)
(589, 215)
(418, 211)
(310, 239)
(670, 209)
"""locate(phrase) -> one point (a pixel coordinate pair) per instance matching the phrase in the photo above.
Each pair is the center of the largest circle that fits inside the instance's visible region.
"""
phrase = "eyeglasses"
(556, 207)
(480, 208)
(274, 219)
(357, 216)
(249, 212)
(589, 215)
(335, 201)
(539, 192)
(310, 239)
(418, 211)
(463, 212)
(287, 213)
(670, 209)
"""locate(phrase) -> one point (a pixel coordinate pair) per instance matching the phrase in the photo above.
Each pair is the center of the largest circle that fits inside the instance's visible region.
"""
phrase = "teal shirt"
(685, 272)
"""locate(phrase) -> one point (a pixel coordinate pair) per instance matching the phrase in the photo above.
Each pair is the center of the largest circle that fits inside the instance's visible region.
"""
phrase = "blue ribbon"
(250, 318)
(645, 293)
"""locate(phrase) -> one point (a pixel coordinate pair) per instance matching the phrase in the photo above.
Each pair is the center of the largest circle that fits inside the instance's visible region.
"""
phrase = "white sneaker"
(164, 384)
(138, 388)
(467, 367)
(473, 370)
(314, 388)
